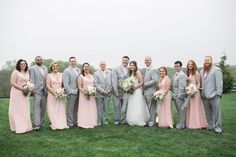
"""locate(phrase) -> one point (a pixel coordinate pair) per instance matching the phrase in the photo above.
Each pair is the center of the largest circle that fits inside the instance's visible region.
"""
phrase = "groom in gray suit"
(103, 84)
(179, 84)
(212, 86)
(149, 88)
(70, 77)
(38, 73)
(120, 99)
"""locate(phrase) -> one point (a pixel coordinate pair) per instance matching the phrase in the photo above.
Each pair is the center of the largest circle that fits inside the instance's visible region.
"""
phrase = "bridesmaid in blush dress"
(195, 116)
(87, 110)
(164, 113)
(55, 108)
(19, 105)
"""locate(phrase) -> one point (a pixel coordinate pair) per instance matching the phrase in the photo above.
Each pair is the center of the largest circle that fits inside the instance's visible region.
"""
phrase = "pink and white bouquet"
(89, 91)
(128, 85)
(159, 96)
(60, 94)
(28, 88)
(191, 89)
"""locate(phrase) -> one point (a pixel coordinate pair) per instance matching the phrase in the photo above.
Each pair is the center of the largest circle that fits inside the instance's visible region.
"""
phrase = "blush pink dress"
(55, 108)
(19, 106)
(164, 113)
(87, 110)
(195, 115)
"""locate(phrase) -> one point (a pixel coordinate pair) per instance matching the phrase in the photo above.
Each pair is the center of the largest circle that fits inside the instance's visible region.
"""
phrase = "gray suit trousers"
(103, 108)
(213, 113)
(40, 99)
(72, 109)
(181, 111)
(151, 104)
(120, 108)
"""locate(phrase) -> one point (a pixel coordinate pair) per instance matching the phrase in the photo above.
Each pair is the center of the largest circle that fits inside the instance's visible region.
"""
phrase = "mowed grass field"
(122, 141)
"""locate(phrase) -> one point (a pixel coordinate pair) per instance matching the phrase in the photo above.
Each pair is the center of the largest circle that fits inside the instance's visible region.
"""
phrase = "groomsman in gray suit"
(212, 86)
(120, 99)
(38, 73)
(103, 84)
(70, 76)
(149, 88)
(179, 84)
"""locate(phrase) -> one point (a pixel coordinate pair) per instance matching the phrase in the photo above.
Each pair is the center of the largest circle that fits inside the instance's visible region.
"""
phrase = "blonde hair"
(50, 67)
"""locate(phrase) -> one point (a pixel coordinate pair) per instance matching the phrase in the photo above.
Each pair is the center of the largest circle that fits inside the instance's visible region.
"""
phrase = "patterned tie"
(76, 71)
(147, 69)
(42, 70)
(104, 73)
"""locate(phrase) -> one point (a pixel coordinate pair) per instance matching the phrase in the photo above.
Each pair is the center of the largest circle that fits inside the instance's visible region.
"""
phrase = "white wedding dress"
(137, 111)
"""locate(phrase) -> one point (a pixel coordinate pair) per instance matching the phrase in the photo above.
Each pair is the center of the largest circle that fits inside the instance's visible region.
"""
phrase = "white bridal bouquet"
(28, 88)
(159, 96)
(191, 89)
(60, 94)
(128, 85)
(89, 91)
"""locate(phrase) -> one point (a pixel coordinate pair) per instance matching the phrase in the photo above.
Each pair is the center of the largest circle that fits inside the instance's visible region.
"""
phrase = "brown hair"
(164, 68)
(18, 65)
(194, 68)
(135, 64)
(82, 72)
(72, 57)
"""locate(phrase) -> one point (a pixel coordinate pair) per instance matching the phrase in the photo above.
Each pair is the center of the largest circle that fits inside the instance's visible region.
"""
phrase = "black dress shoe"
(36, 128)
(116, 123)
(218, 133)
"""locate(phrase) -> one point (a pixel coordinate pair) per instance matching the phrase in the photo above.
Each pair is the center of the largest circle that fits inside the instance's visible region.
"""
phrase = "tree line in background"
(6, 70)
(229, 73)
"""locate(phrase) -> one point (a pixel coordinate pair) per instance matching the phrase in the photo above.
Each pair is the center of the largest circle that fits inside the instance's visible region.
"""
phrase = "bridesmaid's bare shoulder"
(138, 72)
(80, 76)
(15, 72)
(167, 78)
(197, 74)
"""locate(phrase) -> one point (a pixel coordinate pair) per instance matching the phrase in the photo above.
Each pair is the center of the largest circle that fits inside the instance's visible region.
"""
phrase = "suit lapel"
(208, 75)
(122, 71)
(73, 71)
(40, 72)
(101, 74)
(147, 71)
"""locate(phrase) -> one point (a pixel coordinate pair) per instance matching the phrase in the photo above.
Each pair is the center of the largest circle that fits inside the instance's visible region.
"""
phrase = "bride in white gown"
(137, 111)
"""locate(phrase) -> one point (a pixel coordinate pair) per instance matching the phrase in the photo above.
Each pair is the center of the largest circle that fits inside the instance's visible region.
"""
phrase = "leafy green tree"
(5, 85)
(228, 80)
(9, 65)
(5, 75)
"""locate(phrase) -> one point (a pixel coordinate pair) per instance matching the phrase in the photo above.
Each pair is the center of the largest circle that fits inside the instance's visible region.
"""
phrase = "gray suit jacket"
(102, 83)
(70, 80)
(212, 84)
(179, 85)
(38, 78)
(150, 79)
(118, 75)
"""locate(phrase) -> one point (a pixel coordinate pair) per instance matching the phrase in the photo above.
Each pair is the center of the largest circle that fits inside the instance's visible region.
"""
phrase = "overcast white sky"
(94, 30)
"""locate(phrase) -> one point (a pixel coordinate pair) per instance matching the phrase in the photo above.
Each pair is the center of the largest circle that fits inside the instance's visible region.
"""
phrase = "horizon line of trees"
(229, 73)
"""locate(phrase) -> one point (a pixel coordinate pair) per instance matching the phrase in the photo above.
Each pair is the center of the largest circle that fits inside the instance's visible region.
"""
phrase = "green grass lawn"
(122, 141)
